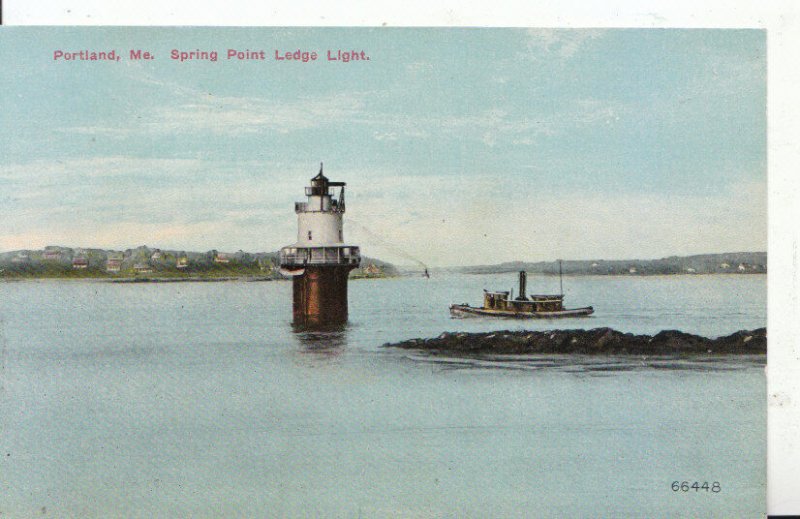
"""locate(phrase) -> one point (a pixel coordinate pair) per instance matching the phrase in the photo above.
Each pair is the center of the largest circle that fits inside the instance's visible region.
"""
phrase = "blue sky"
(459, 146)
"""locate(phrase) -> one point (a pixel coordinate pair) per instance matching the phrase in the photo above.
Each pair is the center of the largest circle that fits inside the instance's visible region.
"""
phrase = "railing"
(292, 256)
(302, 207)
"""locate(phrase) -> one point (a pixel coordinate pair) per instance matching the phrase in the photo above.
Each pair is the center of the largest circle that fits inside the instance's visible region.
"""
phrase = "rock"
(598, 341)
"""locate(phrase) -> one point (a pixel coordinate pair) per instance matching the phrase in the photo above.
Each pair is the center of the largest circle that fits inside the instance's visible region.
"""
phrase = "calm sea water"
(198, 400)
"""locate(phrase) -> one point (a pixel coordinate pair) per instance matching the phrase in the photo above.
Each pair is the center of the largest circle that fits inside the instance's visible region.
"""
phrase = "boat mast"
(560, 279)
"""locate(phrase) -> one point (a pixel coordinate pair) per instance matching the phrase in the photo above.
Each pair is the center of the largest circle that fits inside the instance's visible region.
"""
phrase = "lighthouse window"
(309, 235)
(341, 238)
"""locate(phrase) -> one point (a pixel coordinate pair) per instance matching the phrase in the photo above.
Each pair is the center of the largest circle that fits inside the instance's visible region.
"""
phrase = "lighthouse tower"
(320, 261)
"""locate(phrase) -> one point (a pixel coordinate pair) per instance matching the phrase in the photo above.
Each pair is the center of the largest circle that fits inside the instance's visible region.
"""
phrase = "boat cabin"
(532, 303)
(495, 300)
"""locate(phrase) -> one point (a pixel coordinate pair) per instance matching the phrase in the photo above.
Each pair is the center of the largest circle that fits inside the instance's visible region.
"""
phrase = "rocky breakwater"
(598, 341)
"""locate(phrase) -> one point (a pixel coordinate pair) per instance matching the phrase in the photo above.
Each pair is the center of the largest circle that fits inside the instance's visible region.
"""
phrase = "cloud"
(385, 136)
(439, 220)
(489, 220)
(113, 235)
(235, 116)
(492, 126)
(419, 67)
(564, 43)
(119, 201)
(191, 112)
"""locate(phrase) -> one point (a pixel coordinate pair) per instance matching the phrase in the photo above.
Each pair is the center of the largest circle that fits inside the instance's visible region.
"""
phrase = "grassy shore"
(165, 276)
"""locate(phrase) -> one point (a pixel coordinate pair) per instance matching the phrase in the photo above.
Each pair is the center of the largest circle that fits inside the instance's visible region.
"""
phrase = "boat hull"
(471, 311)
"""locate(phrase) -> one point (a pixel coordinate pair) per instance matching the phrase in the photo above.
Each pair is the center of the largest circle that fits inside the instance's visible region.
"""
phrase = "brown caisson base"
(320, 296)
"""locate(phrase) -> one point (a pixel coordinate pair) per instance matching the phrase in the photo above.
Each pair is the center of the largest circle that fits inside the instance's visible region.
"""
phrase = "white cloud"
(439, 220)
(122, 201)
(232, 115)
(235, 116)
(564, 43)
(384, 136)
(482, 220)
(419, 67)
(494, 125)
(194, 111)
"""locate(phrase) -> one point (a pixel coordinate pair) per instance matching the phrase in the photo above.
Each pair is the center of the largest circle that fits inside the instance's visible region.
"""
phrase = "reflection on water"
(329, 340)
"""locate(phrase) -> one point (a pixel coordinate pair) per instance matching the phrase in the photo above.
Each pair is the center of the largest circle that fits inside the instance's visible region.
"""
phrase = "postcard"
(383, 272)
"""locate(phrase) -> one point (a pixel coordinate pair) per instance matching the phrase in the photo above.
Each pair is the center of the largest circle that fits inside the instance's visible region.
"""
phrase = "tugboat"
(503, 304)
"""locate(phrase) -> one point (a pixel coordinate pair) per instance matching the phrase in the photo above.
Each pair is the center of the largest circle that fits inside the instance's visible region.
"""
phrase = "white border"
(780, 18)
(495, 13)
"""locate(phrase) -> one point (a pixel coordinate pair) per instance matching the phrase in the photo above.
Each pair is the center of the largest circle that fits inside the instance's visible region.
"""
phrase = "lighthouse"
(320, 260)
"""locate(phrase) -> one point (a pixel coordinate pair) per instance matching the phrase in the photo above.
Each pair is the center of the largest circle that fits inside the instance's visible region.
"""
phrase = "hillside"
(725, 263)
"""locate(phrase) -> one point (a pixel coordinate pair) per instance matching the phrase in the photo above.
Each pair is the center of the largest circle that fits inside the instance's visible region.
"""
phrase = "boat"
(504, 304)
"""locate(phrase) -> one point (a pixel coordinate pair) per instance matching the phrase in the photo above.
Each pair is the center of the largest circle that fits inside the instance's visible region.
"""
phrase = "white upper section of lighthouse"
(319, 229)
(319, 220)
(320, 233)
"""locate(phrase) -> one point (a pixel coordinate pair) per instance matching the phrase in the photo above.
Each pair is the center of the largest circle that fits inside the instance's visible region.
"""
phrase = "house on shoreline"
(51, 253)
(143, 268)
(114, 262)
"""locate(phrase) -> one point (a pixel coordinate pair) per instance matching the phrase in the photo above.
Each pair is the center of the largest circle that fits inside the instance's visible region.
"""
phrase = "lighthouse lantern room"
(320, 260)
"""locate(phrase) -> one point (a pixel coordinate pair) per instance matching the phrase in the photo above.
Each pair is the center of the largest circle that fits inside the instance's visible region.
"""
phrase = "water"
(197, 399)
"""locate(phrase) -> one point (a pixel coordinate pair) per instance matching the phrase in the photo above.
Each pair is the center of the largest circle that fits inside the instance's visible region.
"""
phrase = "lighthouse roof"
(320, 176)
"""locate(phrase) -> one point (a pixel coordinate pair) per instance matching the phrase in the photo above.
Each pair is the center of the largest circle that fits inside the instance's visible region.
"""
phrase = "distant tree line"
(725, 263)
(57, 261)
(145, 262)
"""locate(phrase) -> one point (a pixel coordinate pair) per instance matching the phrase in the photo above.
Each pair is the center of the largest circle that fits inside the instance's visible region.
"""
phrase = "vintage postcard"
(383, 272)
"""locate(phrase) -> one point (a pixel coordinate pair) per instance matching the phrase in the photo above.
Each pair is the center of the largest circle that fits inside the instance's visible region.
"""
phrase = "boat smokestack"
(523, 281)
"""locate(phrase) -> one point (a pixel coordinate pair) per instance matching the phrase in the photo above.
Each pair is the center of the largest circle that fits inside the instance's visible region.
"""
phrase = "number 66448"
(685, 486)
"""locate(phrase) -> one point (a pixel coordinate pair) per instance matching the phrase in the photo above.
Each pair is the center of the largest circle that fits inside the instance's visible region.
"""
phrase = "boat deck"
(466, 310)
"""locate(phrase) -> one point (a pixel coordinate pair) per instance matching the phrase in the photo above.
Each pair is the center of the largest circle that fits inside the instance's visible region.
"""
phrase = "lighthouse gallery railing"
(320, 256)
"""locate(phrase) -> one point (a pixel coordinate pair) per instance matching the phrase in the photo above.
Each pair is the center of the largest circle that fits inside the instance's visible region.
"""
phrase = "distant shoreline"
(177, 279)
(620, 274)
(165, 279)
(146, 264)
(434, 273)
(187, 279)
(98, 279)
(717, 263)
(66, 262)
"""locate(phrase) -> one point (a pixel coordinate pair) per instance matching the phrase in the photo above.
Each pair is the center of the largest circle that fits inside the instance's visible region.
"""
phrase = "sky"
(458, 146)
